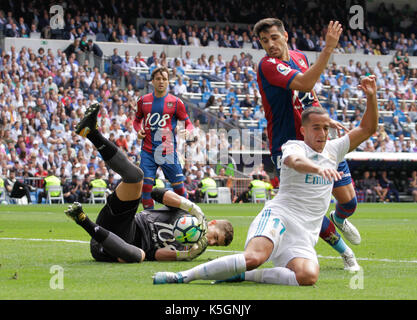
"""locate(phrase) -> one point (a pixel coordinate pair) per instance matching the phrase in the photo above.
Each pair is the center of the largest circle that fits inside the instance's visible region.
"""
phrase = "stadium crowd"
(115, 21)
(44, 94)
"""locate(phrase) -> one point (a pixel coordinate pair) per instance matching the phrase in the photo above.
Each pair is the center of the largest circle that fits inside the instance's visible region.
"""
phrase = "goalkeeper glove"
(196, 249)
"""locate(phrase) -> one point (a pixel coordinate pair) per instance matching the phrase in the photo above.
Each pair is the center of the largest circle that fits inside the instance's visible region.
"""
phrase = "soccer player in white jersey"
(287, 229)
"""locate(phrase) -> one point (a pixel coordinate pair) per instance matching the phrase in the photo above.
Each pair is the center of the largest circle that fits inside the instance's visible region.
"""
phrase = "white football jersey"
(305, 198)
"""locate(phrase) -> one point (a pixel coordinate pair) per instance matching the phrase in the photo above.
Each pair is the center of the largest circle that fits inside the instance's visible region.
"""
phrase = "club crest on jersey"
(302, 63)
(170, 104)
(283, 69)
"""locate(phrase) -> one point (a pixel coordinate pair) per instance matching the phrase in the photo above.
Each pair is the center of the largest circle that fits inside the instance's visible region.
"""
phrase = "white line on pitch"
(210, 250)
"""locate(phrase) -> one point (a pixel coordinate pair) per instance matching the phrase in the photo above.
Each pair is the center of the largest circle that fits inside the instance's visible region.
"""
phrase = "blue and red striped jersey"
(159, 117)
(283, 106)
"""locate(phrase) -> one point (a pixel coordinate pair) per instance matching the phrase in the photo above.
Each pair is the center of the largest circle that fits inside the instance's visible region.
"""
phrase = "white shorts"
(291, 240)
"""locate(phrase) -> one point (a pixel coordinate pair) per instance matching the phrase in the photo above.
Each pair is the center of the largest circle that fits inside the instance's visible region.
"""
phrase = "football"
(186, 229)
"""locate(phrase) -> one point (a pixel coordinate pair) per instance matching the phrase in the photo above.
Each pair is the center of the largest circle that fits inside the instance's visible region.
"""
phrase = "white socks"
(218, 269)
(277, 275)
(228, 266)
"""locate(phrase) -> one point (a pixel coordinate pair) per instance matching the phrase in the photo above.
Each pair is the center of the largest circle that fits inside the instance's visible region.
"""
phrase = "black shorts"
(118, 217)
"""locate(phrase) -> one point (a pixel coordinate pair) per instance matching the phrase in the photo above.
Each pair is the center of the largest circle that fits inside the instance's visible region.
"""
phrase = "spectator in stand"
(180, 88)
(384, 183)
(116, 63)
(145, 38)
(161, 36)
(191, 88)
(17, 189)
(191, 187)
(368, 186)
(412, 185)
(396, 127)
(111, 183)
(246, 103)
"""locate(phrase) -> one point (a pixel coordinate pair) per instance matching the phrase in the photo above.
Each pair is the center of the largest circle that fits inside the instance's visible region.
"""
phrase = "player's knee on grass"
(113, 249)
(307, 277)
(136, 258)
(306, 271)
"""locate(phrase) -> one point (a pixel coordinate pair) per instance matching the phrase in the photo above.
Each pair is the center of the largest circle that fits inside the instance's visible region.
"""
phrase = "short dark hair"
(305, 115)
(265, 24)
(226, 227)
(159, 70)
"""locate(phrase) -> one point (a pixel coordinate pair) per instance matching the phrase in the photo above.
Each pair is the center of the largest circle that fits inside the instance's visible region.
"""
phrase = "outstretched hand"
(334, 30)
(368, 85)
(330, 174)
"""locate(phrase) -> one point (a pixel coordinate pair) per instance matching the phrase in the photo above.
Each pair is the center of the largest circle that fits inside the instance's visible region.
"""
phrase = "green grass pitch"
(387, 254)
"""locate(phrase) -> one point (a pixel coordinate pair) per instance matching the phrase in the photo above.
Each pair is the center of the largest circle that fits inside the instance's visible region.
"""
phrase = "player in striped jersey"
(156, 119)
(286, 85)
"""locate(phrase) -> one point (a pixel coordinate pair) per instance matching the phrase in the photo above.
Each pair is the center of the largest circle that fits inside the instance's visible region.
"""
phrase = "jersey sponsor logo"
(313, 179)
(147, 103)
(283, 69)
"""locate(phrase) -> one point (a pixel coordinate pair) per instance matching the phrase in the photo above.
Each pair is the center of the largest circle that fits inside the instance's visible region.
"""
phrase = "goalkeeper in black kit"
(120, 234)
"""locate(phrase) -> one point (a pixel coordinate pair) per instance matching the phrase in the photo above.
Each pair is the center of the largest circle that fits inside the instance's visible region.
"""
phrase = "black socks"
(94, 230)
(106, 148)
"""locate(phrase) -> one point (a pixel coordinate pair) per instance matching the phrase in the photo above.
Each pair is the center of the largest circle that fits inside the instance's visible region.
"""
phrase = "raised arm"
(305, 81)
(369, 122)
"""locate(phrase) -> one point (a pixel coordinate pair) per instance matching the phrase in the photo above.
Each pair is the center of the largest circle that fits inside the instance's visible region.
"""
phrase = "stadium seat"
(224, 195)
(208, 199)
(35, 35)
(259, 195)
(50, 197)
(213, 44)
(98, 195)
(132, 40)
(101, 37)
(3, 195)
